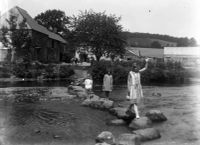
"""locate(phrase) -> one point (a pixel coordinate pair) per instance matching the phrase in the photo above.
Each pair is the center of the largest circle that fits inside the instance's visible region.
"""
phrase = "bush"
(35, 70)
(20, 70)
(157, 72)
(65, 71)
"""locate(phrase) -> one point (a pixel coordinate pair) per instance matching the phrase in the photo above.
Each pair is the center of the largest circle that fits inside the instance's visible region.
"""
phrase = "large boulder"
(98, 103)
(140, 123)
(156, 116)
(116, 122)
(147, 134)
(105, 137)
(122, 113)
(90, 99)
(128, 139)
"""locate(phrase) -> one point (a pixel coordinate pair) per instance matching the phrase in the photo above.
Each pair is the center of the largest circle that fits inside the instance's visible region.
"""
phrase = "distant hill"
(156, 40)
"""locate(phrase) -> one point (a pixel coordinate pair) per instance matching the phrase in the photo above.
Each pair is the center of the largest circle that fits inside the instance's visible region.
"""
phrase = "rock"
(147, 134)
(156, 116)
(107, 104)
(88, 101)
(81, 94)
(122, 113)
(104, 143)
(105, 137)
(117, 122)
(98, 103)
(140, 123)
(128, 139)
(77, 88)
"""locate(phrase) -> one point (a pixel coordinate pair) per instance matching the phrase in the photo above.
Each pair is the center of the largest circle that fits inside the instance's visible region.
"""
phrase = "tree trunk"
(98, 57)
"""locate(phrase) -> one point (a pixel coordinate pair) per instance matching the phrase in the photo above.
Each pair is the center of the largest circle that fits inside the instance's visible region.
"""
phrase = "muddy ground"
(65, 122)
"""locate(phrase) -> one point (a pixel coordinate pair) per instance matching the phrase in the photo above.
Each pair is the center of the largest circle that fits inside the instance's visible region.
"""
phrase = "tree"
(192, 42)
(16, 37)
(100, 33)
(54, 20)
(156, 44)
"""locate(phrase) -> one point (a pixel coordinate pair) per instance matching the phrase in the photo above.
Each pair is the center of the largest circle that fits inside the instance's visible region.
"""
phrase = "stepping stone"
(140, 123)
(156, 116)
(121, 113)
(105, 137)
(128, 139)
(147, 134)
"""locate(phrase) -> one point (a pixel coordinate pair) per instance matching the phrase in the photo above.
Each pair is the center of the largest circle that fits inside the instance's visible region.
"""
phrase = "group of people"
(134, 94)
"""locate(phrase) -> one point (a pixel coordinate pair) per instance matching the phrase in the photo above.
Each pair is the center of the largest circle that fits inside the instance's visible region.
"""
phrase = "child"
(134, 87)
(107, 83)
(88, 84)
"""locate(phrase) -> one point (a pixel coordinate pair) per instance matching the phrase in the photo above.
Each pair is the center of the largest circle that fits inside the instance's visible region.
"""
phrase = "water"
(44, 83)
(27, 119)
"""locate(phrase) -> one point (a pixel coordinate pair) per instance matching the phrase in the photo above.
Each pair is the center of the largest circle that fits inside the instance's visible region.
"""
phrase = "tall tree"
(54, 20)
(98, 32)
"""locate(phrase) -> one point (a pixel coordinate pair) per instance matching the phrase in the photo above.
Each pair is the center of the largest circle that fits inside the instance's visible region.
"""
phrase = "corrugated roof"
(133, 51)
(35, 26)
(148, 52)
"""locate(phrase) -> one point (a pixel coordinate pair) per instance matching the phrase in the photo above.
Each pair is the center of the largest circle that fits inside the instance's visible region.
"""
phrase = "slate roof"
(35, 26)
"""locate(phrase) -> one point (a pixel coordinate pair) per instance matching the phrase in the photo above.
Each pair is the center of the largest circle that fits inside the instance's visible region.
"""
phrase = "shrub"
(65, 71)
(157, 72)
(50, 71)
(20, 70)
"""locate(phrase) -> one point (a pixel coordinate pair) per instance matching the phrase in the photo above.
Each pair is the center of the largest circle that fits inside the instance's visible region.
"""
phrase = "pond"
(66, 122)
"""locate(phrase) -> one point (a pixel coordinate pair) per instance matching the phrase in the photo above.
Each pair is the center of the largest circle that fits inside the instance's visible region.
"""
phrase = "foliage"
(157, 72)
(99, 32)
(156, 44)
(17, 38)
(4, 72)
(65, 71)
(54, 20)
(182, 41)
(35, 70)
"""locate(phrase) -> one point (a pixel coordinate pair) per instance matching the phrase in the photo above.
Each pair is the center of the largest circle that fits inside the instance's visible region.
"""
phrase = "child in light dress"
(88, 84)
(134, 87)
(107, 83)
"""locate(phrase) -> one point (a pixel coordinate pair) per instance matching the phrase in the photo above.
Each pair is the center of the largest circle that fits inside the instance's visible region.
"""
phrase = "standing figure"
(107, 83)
(88, 84)
(134, 87)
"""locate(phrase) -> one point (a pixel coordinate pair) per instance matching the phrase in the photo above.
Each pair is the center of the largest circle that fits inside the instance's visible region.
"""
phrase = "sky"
(179, 18)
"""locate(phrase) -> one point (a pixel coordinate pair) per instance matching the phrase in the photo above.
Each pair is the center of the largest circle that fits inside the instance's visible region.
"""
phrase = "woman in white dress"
(134, 87)
(107, 83)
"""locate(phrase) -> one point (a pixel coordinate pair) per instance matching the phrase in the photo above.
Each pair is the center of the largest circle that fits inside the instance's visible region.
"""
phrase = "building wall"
(3, 54)
(188, 56)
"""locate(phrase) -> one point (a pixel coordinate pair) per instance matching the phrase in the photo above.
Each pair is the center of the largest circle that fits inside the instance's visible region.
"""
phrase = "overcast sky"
(172, 17)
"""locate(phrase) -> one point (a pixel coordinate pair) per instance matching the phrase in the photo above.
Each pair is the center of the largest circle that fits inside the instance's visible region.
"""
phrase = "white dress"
(88, 83)
(134, 87)
(107, 83)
